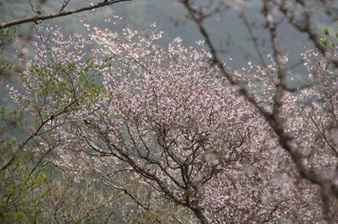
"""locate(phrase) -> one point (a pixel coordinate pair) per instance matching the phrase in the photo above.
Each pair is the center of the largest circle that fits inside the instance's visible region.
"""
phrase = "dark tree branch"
(39, 18)
(219, 63)
(273, 119)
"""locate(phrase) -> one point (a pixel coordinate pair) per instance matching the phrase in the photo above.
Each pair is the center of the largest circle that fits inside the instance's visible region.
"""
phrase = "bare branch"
(39, 18)
(33, 8)
(64, 5)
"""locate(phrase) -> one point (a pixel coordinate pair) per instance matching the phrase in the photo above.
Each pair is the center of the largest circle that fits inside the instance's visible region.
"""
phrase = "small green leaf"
(337, 35)
(324, 41)
(333, 44)
(326, 31)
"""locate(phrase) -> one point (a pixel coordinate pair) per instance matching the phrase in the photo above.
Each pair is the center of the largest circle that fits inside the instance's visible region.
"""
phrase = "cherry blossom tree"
(178, 132)
(237, 148)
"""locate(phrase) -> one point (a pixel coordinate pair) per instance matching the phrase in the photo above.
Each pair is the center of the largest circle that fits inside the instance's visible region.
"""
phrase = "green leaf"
(71, 66)
(324, 41)
(326, 31)
(11, 190)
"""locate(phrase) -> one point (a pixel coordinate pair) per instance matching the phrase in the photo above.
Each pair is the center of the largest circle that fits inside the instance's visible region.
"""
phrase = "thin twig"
(37, 19)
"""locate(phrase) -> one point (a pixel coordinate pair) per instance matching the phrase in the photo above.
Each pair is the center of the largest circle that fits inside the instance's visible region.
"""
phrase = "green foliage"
(6, 37)
(19, 200)
(324, 41)
(329, 40)
(28, 188)
(68, 87)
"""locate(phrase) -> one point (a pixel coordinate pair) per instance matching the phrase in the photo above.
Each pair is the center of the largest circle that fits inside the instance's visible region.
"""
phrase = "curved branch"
(274, 118)
(37, 19)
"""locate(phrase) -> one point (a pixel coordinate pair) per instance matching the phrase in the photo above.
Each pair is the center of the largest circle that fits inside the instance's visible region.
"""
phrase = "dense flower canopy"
(132, 111)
